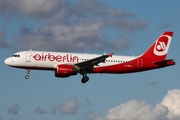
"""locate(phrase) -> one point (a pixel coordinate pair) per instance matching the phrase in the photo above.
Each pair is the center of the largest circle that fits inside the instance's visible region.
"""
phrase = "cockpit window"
(15, 55)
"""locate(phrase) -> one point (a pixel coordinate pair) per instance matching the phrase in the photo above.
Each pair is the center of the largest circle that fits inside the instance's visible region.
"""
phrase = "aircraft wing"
(93, 62)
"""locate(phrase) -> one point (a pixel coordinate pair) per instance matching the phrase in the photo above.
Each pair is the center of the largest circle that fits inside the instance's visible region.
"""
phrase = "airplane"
(67, 64)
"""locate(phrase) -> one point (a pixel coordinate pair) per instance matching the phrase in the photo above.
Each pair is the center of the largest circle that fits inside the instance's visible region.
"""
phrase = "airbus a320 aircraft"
(68, 64)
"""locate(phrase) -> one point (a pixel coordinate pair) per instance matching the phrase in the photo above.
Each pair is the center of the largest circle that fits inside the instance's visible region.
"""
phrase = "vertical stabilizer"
(160, 47)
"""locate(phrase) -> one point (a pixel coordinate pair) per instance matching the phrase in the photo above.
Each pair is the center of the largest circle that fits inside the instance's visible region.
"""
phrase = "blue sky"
(125, 27)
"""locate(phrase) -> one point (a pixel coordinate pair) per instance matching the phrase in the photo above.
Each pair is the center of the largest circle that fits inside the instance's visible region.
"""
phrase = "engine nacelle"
(65, 71)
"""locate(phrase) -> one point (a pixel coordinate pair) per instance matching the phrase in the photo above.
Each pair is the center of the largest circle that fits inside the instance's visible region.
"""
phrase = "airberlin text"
(56, 58)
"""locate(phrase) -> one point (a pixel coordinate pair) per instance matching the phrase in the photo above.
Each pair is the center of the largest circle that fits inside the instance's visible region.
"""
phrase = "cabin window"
(15, 55)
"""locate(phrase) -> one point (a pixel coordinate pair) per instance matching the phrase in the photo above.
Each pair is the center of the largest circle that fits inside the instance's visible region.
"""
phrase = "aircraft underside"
(123, 68)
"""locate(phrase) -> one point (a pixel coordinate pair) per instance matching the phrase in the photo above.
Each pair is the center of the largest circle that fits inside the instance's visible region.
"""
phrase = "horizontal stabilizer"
(165, 62)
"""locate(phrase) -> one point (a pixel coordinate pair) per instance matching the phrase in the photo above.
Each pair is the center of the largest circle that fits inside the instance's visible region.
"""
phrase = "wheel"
(27, 76)
(85, 79)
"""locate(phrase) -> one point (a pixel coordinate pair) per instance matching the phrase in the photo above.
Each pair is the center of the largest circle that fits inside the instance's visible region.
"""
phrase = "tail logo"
(162, 45)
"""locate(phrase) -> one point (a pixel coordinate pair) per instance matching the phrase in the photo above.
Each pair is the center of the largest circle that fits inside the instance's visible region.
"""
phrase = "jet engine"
(65, 71)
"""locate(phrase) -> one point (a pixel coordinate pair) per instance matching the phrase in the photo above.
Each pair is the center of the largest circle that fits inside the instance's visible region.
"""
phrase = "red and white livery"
(67, 64)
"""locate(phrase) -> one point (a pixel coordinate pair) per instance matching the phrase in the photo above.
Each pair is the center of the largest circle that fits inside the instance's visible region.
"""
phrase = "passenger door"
(139, 62)
(28, 56)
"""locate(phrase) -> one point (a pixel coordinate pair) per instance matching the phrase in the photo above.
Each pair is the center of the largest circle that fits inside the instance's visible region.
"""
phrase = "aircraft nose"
(7, 61)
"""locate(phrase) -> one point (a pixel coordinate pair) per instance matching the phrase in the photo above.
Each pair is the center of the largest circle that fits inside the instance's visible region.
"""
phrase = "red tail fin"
(159, 48)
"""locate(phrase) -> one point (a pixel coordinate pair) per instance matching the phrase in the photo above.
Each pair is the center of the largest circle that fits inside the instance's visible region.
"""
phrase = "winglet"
(110, 55)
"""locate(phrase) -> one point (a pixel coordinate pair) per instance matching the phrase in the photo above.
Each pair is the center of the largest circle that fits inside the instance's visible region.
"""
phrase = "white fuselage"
(50, 60)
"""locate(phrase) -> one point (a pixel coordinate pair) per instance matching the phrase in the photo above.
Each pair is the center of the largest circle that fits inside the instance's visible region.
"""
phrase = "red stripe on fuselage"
(130, 67)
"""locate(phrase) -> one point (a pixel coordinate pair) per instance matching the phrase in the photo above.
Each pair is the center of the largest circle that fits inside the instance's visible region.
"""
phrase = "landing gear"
(85, 78)
(27, 76)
